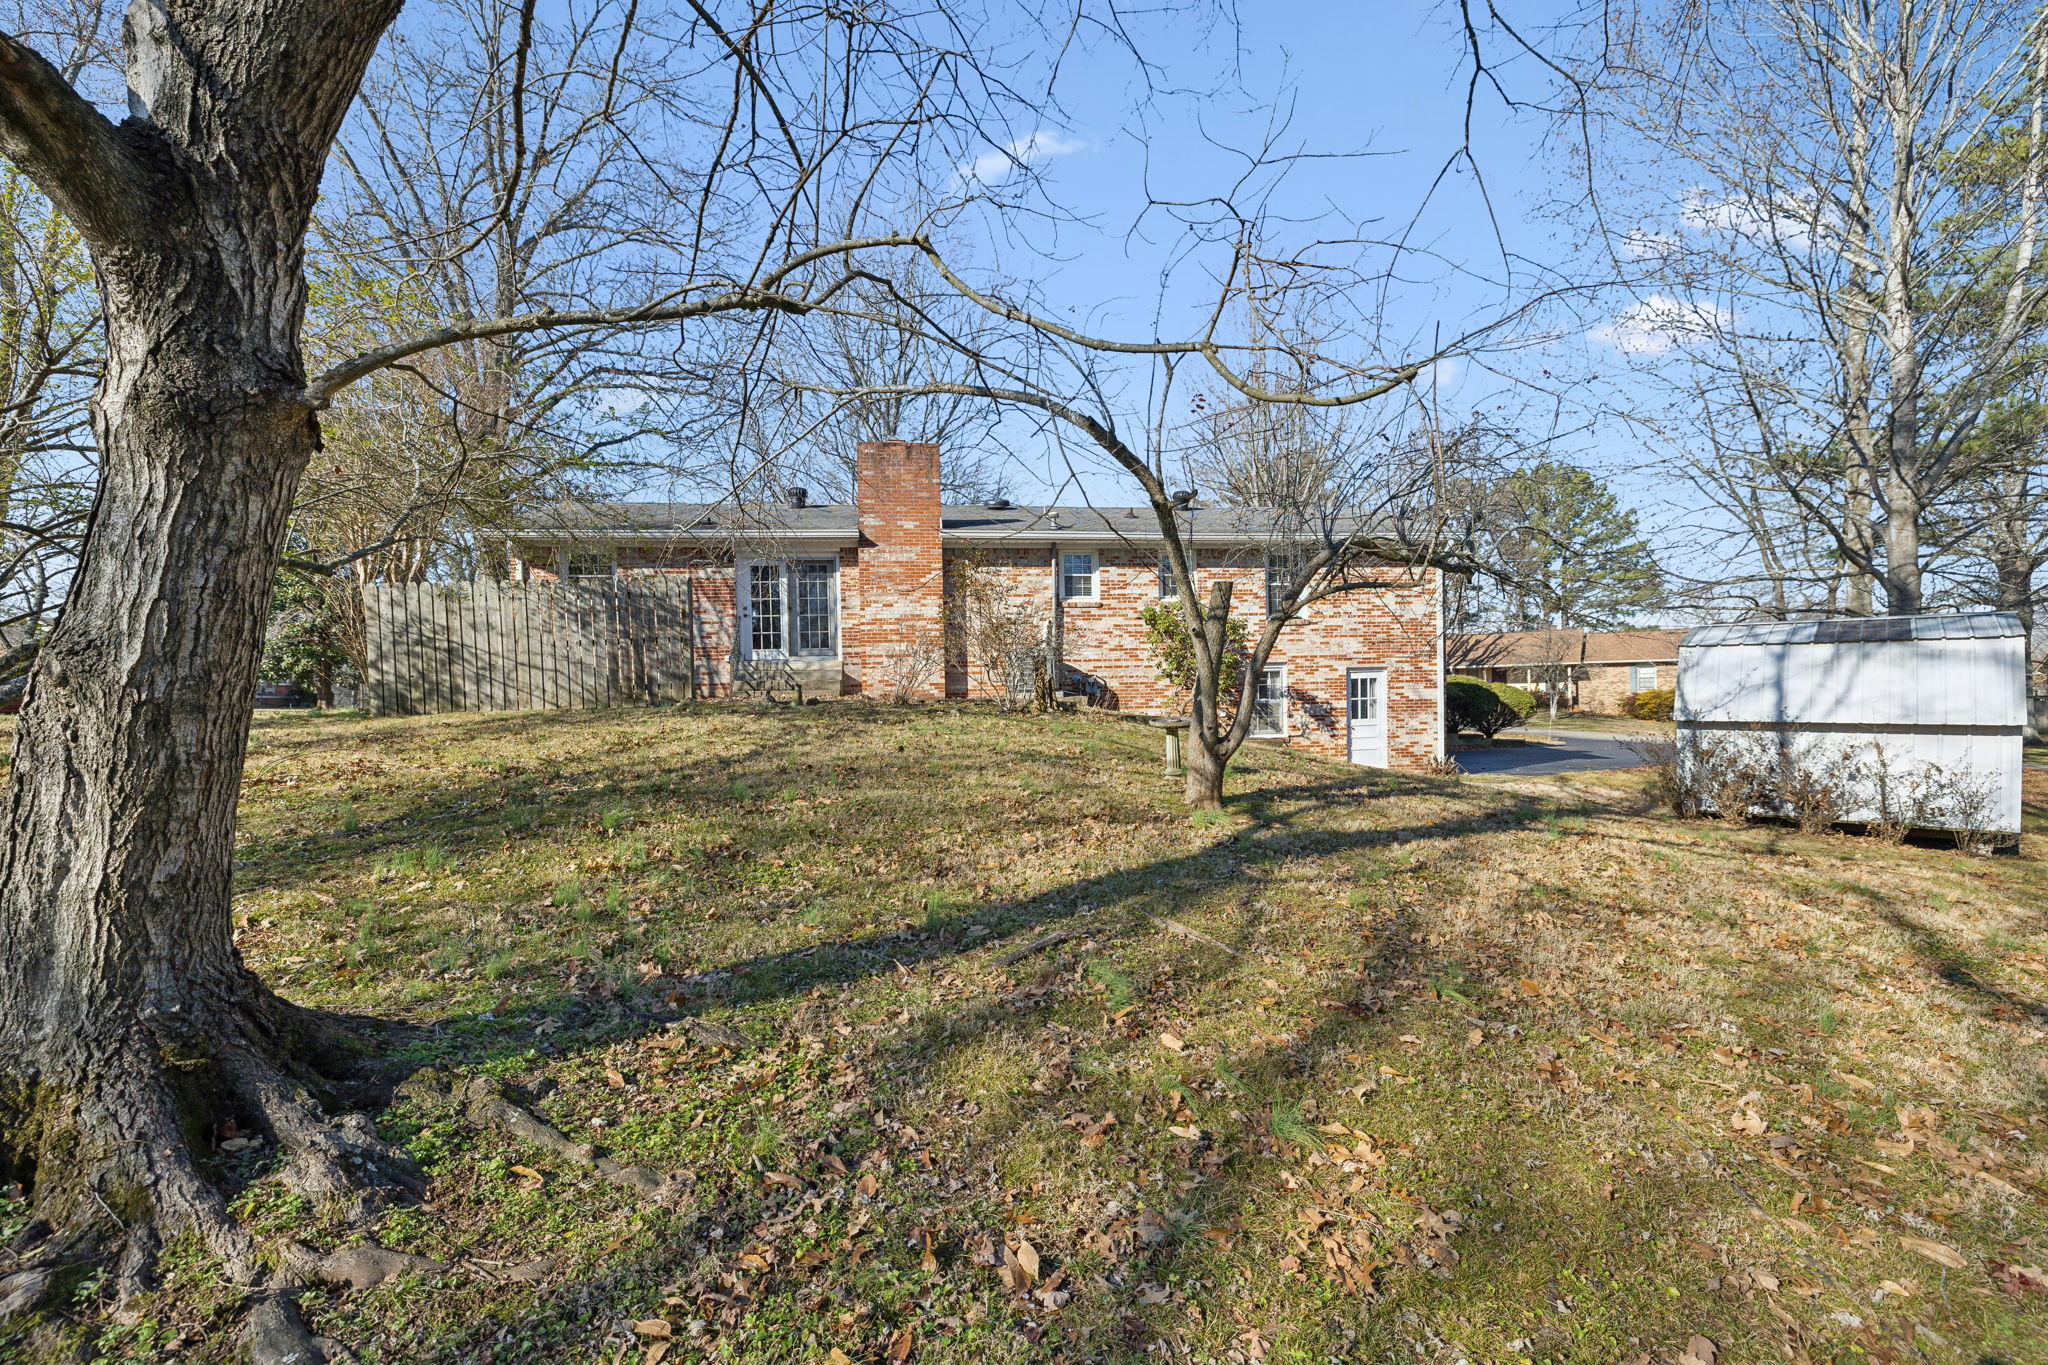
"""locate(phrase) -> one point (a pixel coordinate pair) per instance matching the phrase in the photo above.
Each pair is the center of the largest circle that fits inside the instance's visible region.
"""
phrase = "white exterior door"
(1365, 706)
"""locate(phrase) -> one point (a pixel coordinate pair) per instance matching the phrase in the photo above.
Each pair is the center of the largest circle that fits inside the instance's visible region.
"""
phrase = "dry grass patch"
(1370, 1068)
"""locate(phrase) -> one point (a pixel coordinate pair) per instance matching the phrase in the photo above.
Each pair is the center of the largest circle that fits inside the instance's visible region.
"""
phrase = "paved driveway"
(1564, 751)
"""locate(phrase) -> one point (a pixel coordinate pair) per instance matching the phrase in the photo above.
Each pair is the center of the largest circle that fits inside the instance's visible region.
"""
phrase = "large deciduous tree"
(125, 1012)
(1779, 176)
(128, 1022)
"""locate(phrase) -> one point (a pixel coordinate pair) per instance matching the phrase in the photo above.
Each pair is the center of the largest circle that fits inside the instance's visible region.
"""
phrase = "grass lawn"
(1371, 1068)
(1597, 724)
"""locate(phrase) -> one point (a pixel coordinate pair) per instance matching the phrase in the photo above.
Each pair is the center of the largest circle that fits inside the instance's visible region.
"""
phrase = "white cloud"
(1658, 324)
(990, 167)
(1444, 374)
(1784, 225)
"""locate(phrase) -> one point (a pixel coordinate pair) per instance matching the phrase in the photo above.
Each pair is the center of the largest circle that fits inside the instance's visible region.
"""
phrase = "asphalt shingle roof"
(1530, 648)
(712, 521)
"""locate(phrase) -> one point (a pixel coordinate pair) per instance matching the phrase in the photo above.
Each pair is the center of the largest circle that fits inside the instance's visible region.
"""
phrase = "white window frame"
(1633, 671)
(1289, 562)
(1094, 576)
(1169, 586)
(743, 593)
(1279, 699)
(610, 557)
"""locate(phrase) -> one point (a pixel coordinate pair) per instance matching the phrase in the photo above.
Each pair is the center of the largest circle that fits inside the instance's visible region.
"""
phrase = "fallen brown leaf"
(1700, 1351)
(1935, 1252)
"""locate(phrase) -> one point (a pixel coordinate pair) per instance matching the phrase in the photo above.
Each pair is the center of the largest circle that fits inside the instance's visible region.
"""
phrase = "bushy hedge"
(1650, 704)
(1488, 707)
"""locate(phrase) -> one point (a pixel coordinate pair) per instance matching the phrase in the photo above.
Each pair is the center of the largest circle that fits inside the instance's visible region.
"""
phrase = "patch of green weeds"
(1289, 1126)
(1117, 990)
(1448, 983)
(424, 861)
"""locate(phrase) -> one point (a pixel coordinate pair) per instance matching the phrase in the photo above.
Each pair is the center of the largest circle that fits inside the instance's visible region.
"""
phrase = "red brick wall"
(1391, 625)
(892, 597)
(1605, 686)
(892, 605)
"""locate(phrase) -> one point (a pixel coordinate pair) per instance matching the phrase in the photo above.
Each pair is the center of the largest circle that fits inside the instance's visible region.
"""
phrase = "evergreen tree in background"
(1578, 557)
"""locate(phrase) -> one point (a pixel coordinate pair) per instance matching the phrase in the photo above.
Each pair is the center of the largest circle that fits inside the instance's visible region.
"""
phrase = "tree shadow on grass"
(1181, 1223)
(1113, 908)
(1153, 1276)
(1118, 901)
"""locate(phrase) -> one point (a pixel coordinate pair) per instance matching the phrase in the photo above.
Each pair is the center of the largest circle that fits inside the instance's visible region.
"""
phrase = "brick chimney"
(895, 633)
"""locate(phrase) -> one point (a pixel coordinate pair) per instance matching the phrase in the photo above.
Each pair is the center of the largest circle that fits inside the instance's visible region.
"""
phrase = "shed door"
(1366, 712)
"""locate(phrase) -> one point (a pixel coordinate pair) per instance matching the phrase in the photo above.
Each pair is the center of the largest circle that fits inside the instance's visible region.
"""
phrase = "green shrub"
(1488, 707)
(1652, 704)
(1173, 654)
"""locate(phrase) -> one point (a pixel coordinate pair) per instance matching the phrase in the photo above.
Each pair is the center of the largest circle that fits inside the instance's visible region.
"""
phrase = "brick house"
(864, 600)
(1593, 670)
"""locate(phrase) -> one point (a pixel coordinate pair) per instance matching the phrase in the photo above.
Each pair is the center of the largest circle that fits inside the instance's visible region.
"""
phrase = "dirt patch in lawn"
(1033, 1067)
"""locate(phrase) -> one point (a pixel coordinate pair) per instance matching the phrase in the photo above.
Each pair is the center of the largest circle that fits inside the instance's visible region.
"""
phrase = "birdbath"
(1175, 727)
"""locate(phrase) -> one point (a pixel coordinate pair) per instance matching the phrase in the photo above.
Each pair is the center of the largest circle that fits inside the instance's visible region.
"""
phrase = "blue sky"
(1384, 82)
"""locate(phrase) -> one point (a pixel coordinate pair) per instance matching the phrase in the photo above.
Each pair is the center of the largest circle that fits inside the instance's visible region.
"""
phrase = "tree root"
(120, 1167)
(486, 1105)
(332, 1160)
(275, 1334)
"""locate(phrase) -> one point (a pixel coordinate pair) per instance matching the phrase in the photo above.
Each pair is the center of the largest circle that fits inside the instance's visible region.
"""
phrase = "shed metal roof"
(1974, 625)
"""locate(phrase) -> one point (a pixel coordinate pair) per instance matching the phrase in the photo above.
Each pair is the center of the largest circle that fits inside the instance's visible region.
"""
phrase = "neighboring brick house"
(1593, 670)
(854, 600)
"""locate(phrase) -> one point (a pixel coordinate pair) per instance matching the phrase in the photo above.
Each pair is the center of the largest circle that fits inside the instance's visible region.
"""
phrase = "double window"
(1269, 702)
(1077, 578)
(792, 609)
(590, 564)
(1642, 677)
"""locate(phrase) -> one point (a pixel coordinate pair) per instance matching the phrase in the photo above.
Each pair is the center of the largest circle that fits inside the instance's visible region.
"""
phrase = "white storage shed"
(1933, 707)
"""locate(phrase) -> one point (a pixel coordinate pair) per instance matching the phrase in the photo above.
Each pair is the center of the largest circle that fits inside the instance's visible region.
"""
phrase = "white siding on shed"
(1906, 682)
(1926, 698)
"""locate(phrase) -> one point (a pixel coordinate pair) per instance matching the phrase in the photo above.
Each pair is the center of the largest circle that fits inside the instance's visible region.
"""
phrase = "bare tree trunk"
(1205, 768)
(128, 1022)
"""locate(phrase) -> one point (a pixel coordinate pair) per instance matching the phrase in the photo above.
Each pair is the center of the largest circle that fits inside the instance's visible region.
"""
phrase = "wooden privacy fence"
(527, 646)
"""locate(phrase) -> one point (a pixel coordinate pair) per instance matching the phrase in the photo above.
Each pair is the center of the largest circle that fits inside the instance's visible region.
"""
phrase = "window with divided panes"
(1269, 701)
(792, 609)
(1077, 577)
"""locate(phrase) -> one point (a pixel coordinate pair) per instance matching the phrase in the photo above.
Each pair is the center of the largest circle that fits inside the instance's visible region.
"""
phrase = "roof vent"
(798, 497)
(999, 504)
